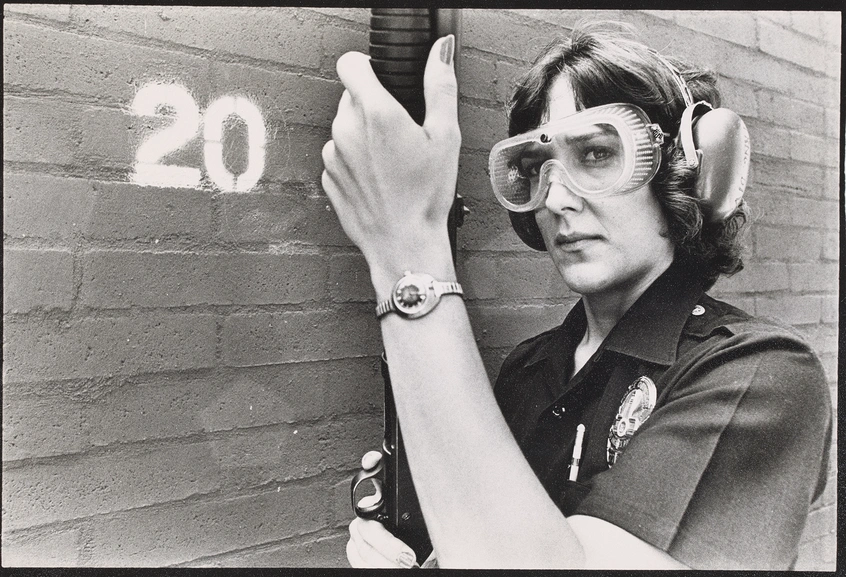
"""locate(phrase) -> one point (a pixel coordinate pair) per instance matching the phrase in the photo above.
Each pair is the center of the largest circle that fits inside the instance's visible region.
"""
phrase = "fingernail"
(447, 49)
(406, 559)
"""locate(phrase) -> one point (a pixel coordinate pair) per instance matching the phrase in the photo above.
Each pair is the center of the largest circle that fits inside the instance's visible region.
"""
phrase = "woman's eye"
(596, 155)
(530, 168)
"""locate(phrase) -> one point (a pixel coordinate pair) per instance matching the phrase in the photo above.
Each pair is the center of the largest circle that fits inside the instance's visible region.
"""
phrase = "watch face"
(410, 295)
(414, 296)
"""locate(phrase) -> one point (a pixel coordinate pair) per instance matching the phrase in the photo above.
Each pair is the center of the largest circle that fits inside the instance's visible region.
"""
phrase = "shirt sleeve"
(721, 476)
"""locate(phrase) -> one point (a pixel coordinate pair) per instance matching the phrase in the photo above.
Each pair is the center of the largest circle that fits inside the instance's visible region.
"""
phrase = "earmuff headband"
(716, 144)
(685, 91)
(685, 135)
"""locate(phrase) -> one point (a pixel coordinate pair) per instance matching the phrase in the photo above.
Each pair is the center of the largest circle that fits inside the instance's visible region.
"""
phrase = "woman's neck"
(604, 310)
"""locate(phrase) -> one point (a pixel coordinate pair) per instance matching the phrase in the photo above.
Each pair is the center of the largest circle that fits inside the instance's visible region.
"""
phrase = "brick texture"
(61, 429)
(121, 279)
(319, 552)
(39, 132)
(191, 375)
(790, 46)
(58, 548)
(739, 28)
(191, 529)
(265, 338)
(56, 349)
(37, 279)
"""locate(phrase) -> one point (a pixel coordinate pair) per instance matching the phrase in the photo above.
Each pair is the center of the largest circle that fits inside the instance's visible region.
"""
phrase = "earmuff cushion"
(722, 142)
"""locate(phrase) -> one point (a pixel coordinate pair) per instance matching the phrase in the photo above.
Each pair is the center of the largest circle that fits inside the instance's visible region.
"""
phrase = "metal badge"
(635, 408)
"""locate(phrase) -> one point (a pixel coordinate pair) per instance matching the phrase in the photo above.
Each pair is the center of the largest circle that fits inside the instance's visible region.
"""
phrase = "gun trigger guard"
(376, 502)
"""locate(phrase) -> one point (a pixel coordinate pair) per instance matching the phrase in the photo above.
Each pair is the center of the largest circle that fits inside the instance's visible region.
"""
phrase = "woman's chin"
(586, 278)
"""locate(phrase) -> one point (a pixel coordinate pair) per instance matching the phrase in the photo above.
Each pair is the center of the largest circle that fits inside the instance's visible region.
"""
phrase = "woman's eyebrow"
(540, 147)
(588, 133)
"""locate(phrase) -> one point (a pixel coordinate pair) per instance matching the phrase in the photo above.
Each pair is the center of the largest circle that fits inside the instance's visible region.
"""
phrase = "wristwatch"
(416, 294)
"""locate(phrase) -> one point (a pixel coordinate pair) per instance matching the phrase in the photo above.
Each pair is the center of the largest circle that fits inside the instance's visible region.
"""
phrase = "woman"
(731, 414)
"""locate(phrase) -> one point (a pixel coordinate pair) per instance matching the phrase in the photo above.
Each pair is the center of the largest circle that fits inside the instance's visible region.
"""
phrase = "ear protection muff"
(714, 141)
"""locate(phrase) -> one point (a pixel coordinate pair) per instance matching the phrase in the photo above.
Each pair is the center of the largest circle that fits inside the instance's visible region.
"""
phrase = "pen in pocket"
(577, 452)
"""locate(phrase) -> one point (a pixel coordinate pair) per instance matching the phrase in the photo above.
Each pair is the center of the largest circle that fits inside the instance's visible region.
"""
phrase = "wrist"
(416, 294)
(434, 258)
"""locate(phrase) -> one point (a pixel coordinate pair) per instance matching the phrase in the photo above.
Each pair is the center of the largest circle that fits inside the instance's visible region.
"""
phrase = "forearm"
(483, 504)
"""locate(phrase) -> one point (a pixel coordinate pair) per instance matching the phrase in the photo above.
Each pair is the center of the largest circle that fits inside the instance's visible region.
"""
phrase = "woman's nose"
(560, 198)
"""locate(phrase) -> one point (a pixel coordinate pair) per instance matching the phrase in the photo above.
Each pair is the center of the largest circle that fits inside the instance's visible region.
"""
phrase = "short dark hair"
(605, 65)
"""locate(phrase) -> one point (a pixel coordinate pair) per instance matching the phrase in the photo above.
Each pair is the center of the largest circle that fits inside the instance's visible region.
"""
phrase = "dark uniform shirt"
(723, 471)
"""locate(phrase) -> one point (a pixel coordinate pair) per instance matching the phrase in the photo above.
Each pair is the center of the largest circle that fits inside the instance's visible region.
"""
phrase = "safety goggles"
(605, 150)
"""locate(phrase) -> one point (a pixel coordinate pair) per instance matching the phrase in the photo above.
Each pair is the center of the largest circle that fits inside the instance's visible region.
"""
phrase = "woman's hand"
(390, 180)
(372, 546)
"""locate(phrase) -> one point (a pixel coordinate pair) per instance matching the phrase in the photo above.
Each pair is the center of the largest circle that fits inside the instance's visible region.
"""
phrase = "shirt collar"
(563, 340)
(651, 328)
(648, 331)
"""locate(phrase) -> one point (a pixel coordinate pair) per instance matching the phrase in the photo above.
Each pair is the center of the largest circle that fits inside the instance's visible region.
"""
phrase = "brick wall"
(191, 375)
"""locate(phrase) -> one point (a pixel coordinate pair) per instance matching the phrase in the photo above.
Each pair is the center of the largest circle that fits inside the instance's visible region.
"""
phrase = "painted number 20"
(150, 171)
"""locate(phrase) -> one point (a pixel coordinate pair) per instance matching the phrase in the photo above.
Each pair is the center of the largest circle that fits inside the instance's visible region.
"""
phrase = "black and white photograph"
(411, 287)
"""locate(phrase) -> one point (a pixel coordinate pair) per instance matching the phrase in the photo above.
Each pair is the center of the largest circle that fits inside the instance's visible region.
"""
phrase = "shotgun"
(400, 39)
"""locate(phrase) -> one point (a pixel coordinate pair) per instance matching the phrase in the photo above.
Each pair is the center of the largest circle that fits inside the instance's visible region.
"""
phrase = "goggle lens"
(598, 152)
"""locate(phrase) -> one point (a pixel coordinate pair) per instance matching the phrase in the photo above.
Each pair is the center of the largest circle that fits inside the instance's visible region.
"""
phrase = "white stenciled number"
(150, 100)
(213, 125)
(148, 168)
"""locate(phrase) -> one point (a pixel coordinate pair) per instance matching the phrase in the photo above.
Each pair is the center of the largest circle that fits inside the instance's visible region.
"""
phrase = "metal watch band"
(448, 288)
(385, 307)
(438, 289)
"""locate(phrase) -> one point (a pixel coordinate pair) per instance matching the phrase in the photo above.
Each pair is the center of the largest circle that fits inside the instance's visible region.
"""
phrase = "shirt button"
(557, 411)
(698, 311)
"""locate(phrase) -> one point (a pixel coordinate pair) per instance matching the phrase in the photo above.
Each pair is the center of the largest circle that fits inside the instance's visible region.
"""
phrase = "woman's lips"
(574, 241)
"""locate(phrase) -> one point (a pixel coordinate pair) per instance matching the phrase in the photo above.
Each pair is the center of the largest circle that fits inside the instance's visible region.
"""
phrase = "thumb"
(440, 88)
